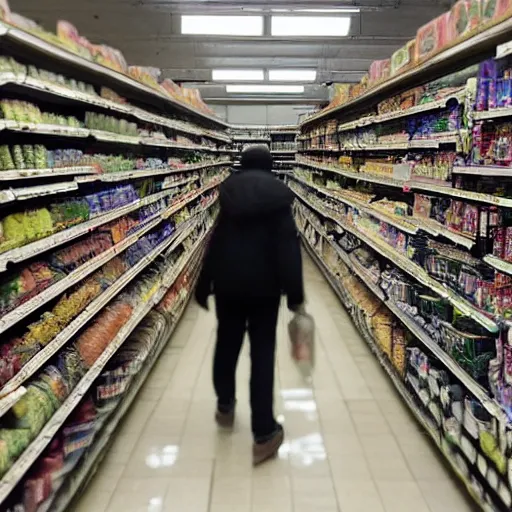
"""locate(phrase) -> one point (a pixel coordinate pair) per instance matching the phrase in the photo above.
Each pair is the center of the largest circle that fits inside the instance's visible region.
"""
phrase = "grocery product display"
(403, 200)
(280, 139)
(105, 208)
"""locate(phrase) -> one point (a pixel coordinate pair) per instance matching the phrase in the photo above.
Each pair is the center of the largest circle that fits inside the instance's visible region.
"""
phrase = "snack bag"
(302, 338)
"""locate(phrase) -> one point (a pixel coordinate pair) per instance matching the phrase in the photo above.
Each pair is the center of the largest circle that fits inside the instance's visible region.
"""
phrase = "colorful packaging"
(379, 70)
(433, 37)
(403, 58)
(465, 18)
(493, 10)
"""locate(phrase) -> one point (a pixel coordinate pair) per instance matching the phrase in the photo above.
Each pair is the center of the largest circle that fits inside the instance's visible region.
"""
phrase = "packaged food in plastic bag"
(302, 337)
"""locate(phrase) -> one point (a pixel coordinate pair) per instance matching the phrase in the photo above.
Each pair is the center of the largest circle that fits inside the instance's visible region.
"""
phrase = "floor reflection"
(308, 449)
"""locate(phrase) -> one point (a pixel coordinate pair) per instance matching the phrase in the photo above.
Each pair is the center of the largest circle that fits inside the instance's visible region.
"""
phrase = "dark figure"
(253, 258)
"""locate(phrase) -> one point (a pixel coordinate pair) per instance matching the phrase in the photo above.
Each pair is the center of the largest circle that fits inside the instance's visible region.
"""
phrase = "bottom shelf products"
(477, 446)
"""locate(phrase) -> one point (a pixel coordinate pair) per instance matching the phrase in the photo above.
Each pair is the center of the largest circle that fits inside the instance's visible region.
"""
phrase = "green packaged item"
(16, 441)
(5, 460)
(40, 157)
(33, 410)
(17, 154)
(7, 110)
(33, 72)
(6, 161)
(29, 156)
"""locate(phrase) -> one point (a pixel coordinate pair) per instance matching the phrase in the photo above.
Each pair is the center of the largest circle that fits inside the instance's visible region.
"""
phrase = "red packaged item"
(70, 37)
(145, 75)
(433, 37)
(379, 70)
(465, 18)
(496, 10)
(110, 58)
(172, 89)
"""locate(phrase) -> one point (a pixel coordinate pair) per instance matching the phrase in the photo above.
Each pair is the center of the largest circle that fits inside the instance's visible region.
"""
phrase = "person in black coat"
(253, 258)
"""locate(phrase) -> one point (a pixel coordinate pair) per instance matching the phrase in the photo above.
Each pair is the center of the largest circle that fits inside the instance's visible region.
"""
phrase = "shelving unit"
(403, 201)
(281, 140)
(103, 211)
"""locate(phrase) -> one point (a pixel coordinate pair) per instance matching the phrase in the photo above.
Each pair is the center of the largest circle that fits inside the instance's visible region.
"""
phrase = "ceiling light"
(335, 26)
(222, 25)
(265, 89)
(292, 75)
(339, 10)
(235, 75)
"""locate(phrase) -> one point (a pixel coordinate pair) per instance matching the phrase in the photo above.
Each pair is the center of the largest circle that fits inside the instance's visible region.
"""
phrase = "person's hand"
(298, 308)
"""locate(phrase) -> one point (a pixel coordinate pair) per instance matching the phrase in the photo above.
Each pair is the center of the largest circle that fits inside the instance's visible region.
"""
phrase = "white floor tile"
(351, 445)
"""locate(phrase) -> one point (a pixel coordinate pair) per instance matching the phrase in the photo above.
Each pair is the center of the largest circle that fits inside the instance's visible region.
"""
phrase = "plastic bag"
(302, 338)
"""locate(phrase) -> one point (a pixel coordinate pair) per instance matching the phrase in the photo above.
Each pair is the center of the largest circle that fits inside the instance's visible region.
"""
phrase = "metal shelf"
(27, 43)
(32, 249)
(92, 309)
(22, 311)
(409, 225)
(411, 268)
(390, 116)
(36, 447)
(50, 89)
(25, 193)
(478, 391)
(410, 186)
(458, 56)
(100, 135)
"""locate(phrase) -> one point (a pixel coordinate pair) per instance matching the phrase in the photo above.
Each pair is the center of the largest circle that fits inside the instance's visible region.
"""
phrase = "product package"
(302, 338)
(433, 37)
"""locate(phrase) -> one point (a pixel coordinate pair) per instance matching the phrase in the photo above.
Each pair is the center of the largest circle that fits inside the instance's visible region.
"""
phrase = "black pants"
(259, 317)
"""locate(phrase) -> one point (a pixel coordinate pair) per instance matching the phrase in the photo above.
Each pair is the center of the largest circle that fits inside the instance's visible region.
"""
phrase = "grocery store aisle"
(351, 446)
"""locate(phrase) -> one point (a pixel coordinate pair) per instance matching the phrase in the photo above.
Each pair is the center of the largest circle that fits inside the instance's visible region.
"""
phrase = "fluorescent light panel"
(264, 89)
(222, 25)
(326, 26)
(235, 75)
(338, 10)
(292, 75)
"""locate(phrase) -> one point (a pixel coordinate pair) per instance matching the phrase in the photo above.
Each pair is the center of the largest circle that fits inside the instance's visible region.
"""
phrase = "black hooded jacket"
(254, 251)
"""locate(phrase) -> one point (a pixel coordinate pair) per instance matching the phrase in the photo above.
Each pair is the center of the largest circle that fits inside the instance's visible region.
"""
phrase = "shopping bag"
(302, 340)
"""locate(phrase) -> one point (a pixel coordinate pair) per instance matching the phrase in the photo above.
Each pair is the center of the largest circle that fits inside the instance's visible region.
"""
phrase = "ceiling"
(148, 33)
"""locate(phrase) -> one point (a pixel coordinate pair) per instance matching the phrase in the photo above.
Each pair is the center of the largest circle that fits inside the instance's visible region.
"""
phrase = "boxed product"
(340, 94)
(465, 18)
(403, 58)
(433, 37)
(494, 10)
(379, 70)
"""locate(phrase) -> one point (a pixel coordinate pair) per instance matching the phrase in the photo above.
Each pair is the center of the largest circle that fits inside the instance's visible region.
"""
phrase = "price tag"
(406, 188)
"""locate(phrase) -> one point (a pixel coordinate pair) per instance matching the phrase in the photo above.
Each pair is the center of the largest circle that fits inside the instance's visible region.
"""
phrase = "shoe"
(225, 416)
(267, 449)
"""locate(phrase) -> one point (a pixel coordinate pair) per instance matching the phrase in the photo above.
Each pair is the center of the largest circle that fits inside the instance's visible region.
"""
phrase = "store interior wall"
(261, 114)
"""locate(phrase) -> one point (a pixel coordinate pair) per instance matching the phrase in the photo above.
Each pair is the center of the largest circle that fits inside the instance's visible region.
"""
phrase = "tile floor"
(351, 445)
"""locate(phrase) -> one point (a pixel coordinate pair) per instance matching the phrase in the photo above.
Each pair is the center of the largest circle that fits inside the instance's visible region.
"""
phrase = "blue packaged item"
(105, 200)
(94, 203)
